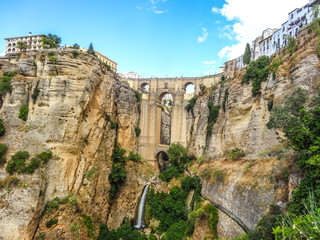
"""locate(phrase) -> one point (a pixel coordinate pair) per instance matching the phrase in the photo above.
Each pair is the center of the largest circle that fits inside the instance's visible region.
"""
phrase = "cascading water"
(140, 222)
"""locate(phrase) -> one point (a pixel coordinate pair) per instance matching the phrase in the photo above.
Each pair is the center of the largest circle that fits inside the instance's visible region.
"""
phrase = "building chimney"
(30, 33)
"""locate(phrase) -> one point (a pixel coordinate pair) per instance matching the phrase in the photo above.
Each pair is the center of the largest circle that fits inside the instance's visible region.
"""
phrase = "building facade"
(107, 60)
(129, 75)
(34, 43)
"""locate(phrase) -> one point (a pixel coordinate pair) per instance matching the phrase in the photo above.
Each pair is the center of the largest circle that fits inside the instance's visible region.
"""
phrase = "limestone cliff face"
(243, 125)
(70, 118)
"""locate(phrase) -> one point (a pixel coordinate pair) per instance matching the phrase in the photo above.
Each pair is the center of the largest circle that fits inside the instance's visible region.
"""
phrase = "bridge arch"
(162, 160)
(189, 88)
(145, 87)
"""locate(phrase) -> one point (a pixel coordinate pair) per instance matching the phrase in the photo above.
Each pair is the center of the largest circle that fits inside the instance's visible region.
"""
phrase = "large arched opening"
(144, 87)
(165, 104)
(189, 88)
(163, 160)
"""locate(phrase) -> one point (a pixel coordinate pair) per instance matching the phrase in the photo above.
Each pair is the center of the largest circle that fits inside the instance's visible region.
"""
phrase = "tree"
(247, 55)
(51, 41)
(76, 46)
(91, 50)
(22, 46)
(178, 156)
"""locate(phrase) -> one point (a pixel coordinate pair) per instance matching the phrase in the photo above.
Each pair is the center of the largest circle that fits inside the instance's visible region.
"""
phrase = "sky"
(154, 38)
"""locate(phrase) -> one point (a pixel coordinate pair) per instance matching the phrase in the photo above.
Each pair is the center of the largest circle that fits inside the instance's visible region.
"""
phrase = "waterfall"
(140, 222)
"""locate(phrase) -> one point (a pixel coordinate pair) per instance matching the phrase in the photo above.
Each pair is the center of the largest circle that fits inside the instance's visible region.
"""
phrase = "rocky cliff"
(78, 102)
(249, 185)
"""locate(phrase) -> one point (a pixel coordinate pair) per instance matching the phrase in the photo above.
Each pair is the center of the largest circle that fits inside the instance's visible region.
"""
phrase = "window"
(283, 29)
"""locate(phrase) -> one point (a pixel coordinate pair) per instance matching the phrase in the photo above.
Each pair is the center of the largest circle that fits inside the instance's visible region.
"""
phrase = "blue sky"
(156, 38)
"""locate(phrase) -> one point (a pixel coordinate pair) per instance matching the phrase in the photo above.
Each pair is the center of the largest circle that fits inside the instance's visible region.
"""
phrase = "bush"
(113, 125)
(24, 110)
(90, 173)
(35, 94)
(51, 54)
(225, 99)
(5, 82)
(45, 156)
(137, 131)
(3, 150)
(87, 221)
(53, 59)
(175, 231)
(218, 175)
(75, 53)
(51, 206)
(2, 130)
(34, 164)
(236, 154)
(135, 157)
(138, 95)
(118, 173)
(213, 219)
(191, 104)
(257, 72)
(170, 173)
(270, 105)
(178, 156)
(17, 162)
(51, 222)
(212, 118)
(292, 45)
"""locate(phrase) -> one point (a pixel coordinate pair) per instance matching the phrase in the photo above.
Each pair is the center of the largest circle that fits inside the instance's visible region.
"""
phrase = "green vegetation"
(91, 50)
(292, 45)
(9, 181)
(113, 125)
(315, 26)
(90, 173)
(273, 68)
(51, 222)
(35, 94)
(236, 154)
(23, 112)
(247, 55)
(191, 104)
(76, 46)
(51, 53)
(2, 129)
(170, 173)
(5, 82)
(52, 59)
(52, 206)
(137, 130)
(124, 232)
(270, 105)
(51, 41)
(89, 224)
(213, 219)
(218, 175)
(301, 125)
(18, 162)
(134, 157)
(118, 174)
(225, 99)
(75, 53)
(3, 150)
(212, 118)
(257, 72)
(138, 95)
(23, 46)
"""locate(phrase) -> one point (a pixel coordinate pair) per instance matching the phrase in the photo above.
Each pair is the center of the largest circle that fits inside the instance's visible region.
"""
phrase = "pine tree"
(90, 50)
(247, 55)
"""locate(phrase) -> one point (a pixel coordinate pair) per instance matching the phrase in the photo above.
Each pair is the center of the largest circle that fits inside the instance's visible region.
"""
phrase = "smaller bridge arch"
(162, 160)
(144, 87)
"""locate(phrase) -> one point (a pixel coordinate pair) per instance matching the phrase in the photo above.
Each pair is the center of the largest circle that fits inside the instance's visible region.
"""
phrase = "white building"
(107, 61)
(129, 75)
(265, 44)
(34, 43)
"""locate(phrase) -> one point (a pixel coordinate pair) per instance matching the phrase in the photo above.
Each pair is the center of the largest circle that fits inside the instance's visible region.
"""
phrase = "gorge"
(89, 120)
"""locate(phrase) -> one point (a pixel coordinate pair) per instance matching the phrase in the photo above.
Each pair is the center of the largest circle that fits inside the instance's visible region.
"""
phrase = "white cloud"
(252, 17)
(158, 12)
(155, 6)
(209, 62)
(204, 35)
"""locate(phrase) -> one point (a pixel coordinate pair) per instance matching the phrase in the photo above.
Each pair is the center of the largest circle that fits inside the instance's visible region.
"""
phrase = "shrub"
(134, 157)
(2, 130)
(213, 219)
(175, 231)
(152, 237)
(270, 105)
(5, 82)
(137, 131)
(138, 95)
(3, 150)
(90, 173)
(45, 156)
(178, 156)
(87, 221)
(170, 173)
(225, 99)
(236, 154)
(51, 222)
(51, 54)
(75, 53)
(218, 175)
(53, 59)
(24, 110)
(35, 94)
(33, 165)
(118, 173)
(292, 45)
(51, 206)
(191, 104)
(17, 162)
(257, 72)
(113, 125)
(212, 118)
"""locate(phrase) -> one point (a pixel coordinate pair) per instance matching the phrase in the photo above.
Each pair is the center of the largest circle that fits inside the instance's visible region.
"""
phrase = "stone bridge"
(163, 119)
